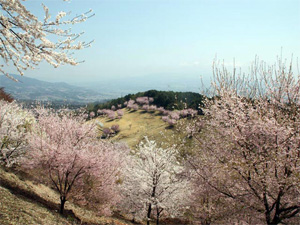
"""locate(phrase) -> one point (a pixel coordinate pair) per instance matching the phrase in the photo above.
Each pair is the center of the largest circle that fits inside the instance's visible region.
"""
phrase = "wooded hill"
(170, 100)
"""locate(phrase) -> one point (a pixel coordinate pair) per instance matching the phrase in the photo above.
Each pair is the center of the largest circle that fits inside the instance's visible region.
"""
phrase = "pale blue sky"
(182, 37)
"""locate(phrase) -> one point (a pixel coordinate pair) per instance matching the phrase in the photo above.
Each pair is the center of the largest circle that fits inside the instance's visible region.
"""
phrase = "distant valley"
(30, 89)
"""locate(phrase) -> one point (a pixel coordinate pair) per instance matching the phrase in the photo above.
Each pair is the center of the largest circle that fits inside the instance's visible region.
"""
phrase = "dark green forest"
(170, 100)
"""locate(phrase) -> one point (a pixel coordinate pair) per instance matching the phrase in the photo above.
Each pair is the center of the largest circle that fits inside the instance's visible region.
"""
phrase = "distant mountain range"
(34, 89)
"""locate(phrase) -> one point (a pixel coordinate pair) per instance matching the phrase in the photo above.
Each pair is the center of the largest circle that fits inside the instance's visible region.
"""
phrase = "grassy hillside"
(24, 201)
(27, 202)
(135, 125)
(16, 209)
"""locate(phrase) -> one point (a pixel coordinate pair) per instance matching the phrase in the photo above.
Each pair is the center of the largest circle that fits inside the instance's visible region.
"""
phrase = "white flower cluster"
(14, 124)
(25, 40)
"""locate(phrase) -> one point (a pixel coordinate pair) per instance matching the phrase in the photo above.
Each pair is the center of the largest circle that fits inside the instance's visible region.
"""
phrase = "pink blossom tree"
(111, 114)
(153, 108)
(171, 122)
(115, 128)
(120, 113)
(107, 132)
(161, 110)
(145, 107)
(92, 115)
(152, 186)
(151, 99)
(135, 107)
(142, 100)
(131, 105)
(79, 166)
(249, 141)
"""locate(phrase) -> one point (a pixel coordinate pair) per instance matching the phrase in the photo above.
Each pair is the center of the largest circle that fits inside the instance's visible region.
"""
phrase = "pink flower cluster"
(132, 105)
(113, 130)
(111, 114)
(144, 100)
(171, 117)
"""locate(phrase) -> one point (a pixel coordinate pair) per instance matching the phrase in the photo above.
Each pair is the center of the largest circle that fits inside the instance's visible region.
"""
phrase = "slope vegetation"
(135, 125)
(27, 202)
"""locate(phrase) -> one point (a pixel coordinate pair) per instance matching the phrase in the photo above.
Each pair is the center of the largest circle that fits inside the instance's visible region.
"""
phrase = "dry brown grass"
(15, 209)
(17, 206)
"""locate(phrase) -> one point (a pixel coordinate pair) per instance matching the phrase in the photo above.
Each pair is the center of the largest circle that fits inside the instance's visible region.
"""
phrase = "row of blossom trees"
(171, 117)
(246, 166)
(63, 148)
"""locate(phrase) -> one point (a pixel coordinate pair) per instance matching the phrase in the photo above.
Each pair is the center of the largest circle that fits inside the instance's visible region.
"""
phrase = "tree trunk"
(62, 204)
(158, 215)
(149, 214)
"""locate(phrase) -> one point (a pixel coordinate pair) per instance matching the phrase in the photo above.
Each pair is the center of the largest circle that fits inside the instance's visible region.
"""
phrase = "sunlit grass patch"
(135, 125)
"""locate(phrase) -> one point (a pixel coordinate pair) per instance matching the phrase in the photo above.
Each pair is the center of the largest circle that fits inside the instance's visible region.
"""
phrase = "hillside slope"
(16, 209)
(27, 202)
(135, 125)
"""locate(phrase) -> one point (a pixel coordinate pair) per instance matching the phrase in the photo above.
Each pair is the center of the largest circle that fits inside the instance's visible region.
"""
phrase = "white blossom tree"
(14, 125)
(25, 40)
(153, 185)
(249, 141)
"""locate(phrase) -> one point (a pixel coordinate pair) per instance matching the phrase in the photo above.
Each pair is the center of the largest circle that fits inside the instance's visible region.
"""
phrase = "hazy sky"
(147, 37)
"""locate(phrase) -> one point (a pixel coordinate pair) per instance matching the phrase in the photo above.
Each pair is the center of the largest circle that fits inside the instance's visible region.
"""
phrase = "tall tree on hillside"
(153, 186)
(15, 123)
(25, 40)
(250, 142)
(80, 167)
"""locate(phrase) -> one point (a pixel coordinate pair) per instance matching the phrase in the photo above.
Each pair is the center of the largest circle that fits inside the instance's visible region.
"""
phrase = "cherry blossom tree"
(145, 107)
(131, 105)
(15, 123)
(115, 128)
(120, 113)
(65, 149)
(153, 184)
(142, 100)
(249, 141)
(161, 110)
(111, 114)
(25, 40)
(152, 108)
